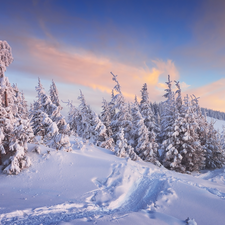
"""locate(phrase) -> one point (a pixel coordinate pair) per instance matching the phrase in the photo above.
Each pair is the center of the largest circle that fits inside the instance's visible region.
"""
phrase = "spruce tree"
(54, 94)
(122, 149)
(122, 117)
(147, 114)
(106, 117)
(145, 147)
(45, 116)
(92, 127)
(183, 148)
(168, 115)
(15, 132)
(215, 155)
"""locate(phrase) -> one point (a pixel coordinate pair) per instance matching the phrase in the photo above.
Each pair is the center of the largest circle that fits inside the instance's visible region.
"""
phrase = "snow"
(218, 124)
(90, 185)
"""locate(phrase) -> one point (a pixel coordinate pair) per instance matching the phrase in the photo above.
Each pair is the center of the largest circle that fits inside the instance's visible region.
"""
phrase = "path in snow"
(130, 187)
(127, 189)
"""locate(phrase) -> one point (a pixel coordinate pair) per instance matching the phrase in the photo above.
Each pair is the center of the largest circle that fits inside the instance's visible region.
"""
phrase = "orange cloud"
(211, 95)
(71, 65)
(77, 66)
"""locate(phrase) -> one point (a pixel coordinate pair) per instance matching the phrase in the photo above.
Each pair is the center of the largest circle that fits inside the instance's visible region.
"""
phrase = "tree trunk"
(6, 99)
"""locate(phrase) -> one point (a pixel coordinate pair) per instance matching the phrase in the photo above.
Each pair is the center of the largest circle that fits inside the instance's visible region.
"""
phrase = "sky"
(78, 43)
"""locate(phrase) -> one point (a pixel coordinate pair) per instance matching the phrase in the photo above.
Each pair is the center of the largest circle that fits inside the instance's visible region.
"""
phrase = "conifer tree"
(147, 114)
(146, 148)
(222, 138)
(179, 97)
(40, 91)
(14, 131)
(74, 119)
(168, 115)
(106, 117)
(48, 121)
(122, 149)
(215, 155)
(121, 144)
(112, 107)
(122, 118)
(54, 94)
(183, 148)
(203, 125)
(92, 127)
(136, 101)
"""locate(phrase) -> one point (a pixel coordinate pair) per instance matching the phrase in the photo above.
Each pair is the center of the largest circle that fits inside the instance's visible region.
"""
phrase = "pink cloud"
(71, 65)
(211, 95)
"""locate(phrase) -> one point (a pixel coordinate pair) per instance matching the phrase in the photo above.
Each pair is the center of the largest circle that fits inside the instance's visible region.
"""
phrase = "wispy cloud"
(71, 65)
(211, 95)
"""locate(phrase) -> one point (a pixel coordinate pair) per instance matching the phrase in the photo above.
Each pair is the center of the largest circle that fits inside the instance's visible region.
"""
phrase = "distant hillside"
(157, 109)
(213, 113)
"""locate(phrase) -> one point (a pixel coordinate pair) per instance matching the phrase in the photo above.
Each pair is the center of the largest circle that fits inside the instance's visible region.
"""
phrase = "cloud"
(211, 95)
(72, 65)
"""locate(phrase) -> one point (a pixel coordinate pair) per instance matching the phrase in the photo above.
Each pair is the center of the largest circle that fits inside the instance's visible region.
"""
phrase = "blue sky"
(78, 44)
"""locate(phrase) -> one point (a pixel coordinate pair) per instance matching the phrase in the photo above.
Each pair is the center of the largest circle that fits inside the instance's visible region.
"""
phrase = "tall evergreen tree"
(215, 155)
(92, 127)
(48, 121)
(14, 131)
(146, 148)
(54, 94)
(179, 97)
(168, 115)
(106, 117)
(183, 148)
(122, 118)
(147, 114)
(122, 149)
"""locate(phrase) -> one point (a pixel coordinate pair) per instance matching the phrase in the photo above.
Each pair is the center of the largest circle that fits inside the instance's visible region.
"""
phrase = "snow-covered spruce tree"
(136, 101)
(92, 127)
(184, 151)
(215, 155)
(14, 131)
(122, 149)
(54, 111)
(45, 110)
(20, 103)
(201, 120)
(111, 105)
(122, 117)
(22, 134)
(172, 139)
(40, 91)
(121, 144)
(179, 97)
(145, 147)
(106, 117)
(54, 94)
(40, 123)
(147, 114)
(222, 138)
(74, 119)
(168, 115)
(23, 110)
(85, 117)
(100, 133)
(194, 157)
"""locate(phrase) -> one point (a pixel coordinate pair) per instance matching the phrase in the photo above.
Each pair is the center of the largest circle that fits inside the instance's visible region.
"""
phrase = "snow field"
(94, 186)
